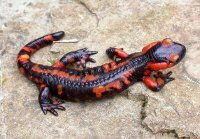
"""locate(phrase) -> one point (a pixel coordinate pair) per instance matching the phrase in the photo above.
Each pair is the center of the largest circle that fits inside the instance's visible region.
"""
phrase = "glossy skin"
(101, 81)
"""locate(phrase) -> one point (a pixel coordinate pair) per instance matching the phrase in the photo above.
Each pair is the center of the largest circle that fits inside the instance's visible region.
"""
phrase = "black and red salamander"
(101, 81)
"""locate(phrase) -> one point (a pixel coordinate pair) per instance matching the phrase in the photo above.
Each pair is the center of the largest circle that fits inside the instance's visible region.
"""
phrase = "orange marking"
(28, 49)
(150, 82)
(112, 64)
(61, 74)
(59, 64)
(74, 77)
(167, 42)
(23, 58)
(106, 67)
(147, 72)
(22, 70)
(146, 48)
(101, 89)
(42, 86)
(57, 72)
(115, 84)
(121, 53)
(129, 73)
(90, 77)
(160, 81)
(49, 38)
(125, 80)
(59, 88)
(159, 66)
(173, 57)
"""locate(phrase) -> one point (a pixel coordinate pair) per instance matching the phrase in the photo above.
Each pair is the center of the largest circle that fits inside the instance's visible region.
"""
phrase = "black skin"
(130, 68)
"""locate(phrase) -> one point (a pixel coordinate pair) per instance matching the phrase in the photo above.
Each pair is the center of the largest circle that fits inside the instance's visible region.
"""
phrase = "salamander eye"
(167, 42)
(173, 58)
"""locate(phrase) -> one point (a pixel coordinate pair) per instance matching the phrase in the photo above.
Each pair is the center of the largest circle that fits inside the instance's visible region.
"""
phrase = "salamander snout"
(170, 52)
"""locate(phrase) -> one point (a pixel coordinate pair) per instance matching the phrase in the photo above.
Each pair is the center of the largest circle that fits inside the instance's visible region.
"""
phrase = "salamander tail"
(23, 58)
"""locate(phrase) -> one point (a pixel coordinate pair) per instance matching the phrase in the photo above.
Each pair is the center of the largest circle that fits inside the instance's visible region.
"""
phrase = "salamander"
(101, 81)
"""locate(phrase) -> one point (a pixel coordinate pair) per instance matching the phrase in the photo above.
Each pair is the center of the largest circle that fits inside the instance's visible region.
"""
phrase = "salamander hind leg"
(47, 103)
(115, 53)
(159, 82)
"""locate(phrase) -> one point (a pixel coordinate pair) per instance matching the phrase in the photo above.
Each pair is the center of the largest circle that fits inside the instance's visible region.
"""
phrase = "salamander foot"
(47, 103)
(84, 57)
(165, 77)
(51, 108)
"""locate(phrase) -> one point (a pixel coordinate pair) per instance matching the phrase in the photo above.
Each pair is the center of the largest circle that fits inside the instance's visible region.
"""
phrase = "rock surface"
(172, 113)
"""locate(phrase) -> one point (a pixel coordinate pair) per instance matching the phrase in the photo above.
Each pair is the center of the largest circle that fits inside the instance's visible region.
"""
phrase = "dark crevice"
(144, 100)
(144, 104)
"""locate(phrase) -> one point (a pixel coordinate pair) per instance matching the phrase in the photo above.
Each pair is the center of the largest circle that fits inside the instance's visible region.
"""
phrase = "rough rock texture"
(172, 113)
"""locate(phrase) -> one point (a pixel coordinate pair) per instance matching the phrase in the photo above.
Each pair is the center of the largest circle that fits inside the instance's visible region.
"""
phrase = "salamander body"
(101, 81)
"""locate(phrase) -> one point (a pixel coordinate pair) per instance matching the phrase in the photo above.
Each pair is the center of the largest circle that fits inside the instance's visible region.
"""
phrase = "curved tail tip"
(58, 35)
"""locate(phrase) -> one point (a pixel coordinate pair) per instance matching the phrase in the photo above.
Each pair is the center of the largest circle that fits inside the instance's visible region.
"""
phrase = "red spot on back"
(59, 64)
(59, 88)
(49, 38)
(90, 77)
(101, 89)
(106, 67)
(146, 48)
(125, 80)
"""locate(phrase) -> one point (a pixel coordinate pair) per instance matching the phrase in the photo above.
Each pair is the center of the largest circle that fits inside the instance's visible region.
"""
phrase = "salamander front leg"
(47, 103)
(84, 56)
(80, 57)
(159, 82)
(115, 53)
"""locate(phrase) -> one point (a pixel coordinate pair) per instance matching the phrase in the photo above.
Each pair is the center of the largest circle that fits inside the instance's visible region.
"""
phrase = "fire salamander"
(101, 81)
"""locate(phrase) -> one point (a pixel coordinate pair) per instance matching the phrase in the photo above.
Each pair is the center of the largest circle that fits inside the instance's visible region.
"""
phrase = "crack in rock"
(90, 11)
(144, 115)
(144, 99)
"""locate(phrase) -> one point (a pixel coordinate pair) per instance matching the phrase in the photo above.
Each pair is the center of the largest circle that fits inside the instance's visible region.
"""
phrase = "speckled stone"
(171, 113)
(192, 64)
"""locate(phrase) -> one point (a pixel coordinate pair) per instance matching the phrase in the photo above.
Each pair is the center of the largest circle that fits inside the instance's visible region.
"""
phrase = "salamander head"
(169, 51)
(165, 51)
